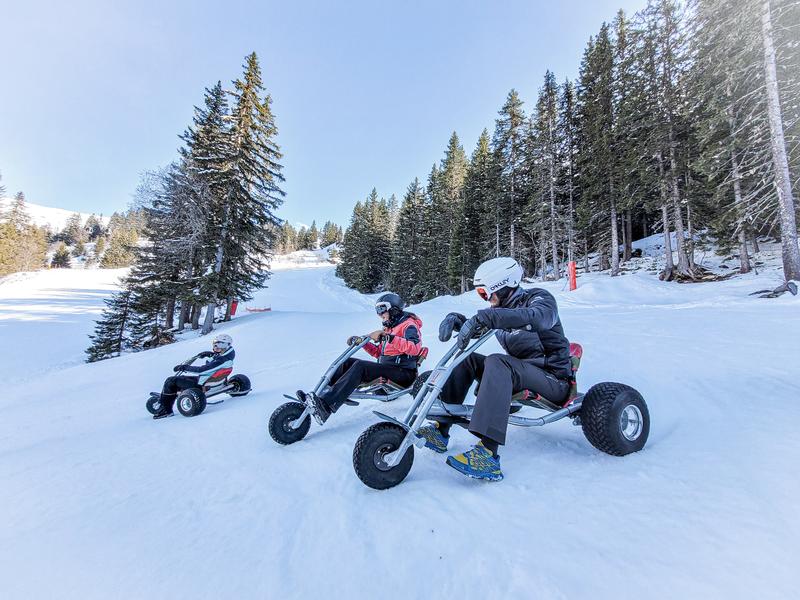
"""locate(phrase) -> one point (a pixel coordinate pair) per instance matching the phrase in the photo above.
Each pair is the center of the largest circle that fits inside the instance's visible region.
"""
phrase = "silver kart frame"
(366, 393)
(427, 405)
(220, 388)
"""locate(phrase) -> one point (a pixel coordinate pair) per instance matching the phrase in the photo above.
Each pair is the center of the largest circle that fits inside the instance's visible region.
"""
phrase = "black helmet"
(391, 302)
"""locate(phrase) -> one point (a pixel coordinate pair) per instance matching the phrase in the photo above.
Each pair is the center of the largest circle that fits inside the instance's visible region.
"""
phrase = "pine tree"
(508, 145)
(73, 230)
(110, 336)
(447, 210)
(406, 262)
(121, 244)
(92, 229)
(246, 231)
(567, 125)
(478, 240)
(545, 155)
(596, 156)
(61, 258)
(312, 242)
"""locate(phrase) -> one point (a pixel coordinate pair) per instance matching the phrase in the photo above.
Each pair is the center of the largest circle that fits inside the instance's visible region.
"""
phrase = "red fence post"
(234, 306)
(572, 269)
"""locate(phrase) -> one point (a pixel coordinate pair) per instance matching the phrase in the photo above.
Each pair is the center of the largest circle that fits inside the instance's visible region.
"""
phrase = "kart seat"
(380, 382)
(220, 376)
(529, 398)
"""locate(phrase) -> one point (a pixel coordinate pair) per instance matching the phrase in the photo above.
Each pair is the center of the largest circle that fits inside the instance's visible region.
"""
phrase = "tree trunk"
(744, 259)
(553, 248)
(789, 247)
(603, 259)
(196, 309)
(170, 317)
(627, 235)
(543, 255)
(680, 239)
(586, 255)
(208, 323)
(228, 308)
(614, 240)
(183, 315)
(669, 266)
(754, 241)
(690, 240)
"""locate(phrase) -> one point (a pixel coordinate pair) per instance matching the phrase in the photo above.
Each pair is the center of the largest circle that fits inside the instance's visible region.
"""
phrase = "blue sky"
(366, 94)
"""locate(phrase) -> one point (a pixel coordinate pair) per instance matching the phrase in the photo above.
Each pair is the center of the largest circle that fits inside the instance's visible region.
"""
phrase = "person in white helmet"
(221, 357)
(537, 359)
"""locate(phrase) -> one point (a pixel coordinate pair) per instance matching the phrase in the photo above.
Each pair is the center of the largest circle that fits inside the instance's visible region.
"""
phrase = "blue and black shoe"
(434, 438)
(477, 463)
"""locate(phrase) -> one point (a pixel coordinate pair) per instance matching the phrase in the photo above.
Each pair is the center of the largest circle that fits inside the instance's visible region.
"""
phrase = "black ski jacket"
(531, 330)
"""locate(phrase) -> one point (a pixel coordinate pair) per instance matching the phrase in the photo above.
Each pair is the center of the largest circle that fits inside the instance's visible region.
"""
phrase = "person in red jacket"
(396, 347)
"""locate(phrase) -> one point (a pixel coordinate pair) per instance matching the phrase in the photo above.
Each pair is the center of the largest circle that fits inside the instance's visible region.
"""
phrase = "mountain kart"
(614, 418)
(193, 401)
(291, 421)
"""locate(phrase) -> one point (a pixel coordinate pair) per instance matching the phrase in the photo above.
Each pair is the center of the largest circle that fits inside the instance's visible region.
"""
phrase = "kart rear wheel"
(419, 382)
(280, 423)
(241, 385)
(154, 405)
(615, 418)
(369, 453)
(191, 402)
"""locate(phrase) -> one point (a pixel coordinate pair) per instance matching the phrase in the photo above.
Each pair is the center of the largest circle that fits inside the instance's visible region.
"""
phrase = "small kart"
(291, 421)
(614, 418)
(193, 401)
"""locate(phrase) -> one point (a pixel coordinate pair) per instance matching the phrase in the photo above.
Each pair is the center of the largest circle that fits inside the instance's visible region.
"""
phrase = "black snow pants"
(173, 385)
(354, 371)
(500, 377)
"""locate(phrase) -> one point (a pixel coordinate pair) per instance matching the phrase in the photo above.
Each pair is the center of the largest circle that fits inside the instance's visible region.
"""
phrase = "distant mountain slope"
(55, 218)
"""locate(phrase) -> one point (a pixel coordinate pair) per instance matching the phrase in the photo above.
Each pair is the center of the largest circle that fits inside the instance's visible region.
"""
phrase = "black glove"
(452, 322)
(177, 368)
(205, 354)
(354, 340)
(472, 328)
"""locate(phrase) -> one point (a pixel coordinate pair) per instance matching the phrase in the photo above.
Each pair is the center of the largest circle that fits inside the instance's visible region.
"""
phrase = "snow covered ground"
(100, 501)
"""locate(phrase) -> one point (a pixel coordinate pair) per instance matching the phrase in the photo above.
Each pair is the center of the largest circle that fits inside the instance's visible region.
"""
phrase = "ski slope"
(98, 500)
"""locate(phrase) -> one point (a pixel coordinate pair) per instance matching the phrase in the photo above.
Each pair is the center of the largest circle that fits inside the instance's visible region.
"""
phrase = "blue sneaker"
(477, 463)
(434, 438)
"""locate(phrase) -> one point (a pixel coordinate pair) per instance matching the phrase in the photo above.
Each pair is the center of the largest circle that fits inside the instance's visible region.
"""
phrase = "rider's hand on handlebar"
(452, 322)
(177, 368)
(354, 340)
(472, 328)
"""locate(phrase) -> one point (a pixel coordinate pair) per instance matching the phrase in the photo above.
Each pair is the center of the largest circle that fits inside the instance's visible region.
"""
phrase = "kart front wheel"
(281, 421)
(241, 385)
(191, 402)
(154, 405)
(615, 418)
(370, 452)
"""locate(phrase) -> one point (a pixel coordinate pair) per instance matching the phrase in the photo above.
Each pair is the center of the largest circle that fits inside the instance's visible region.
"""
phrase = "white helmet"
(222, 342)
(496, 274)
